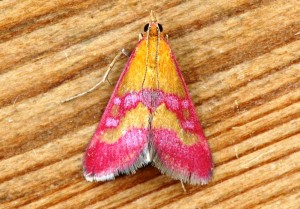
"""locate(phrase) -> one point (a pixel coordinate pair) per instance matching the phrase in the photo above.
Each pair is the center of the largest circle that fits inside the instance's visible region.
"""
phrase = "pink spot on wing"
(117, 101)
(188, 125)
(111, 122)
(172, 102)
(130, 100)
(185, 104)
(151, 98)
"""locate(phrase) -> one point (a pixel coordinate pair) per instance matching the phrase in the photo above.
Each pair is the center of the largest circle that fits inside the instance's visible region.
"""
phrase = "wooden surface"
(240, 59)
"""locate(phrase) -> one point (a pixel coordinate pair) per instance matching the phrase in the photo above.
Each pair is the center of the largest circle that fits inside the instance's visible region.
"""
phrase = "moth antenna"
(153, 16)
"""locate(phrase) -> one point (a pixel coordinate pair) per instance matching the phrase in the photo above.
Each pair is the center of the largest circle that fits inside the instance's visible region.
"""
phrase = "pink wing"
(180, 147)
(119, 144)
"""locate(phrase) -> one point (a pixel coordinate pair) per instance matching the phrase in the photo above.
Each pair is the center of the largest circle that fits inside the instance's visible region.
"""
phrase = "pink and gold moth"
(150, 118)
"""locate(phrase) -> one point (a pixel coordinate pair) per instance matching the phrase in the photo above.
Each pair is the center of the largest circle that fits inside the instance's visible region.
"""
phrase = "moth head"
(153, 27)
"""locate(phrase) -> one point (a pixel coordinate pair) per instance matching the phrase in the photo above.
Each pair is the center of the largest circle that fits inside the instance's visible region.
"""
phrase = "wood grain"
(240, 59)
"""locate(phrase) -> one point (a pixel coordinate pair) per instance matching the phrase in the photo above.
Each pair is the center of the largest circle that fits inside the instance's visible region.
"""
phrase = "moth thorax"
(153, 30)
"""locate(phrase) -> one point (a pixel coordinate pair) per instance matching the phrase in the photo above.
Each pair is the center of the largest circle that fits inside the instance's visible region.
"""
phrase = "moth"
(150, 119)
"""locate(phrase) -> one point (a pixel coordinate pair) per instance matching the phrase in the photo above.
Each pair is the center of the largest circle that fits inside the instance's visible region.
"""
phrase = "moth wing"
(105, 161)
(180, 147)
(119, 144)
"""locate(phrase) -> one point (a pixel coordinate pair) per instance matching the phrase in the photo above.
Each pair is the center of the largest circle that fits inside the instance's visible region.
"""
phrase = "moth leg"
(167, 37)
(111, 65)
(140, 36)
(104, 78)
(182, 186)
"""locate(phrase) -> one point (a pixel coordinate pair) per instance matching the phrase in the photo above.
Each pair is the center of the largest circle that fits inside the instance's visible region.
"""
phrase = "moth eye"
(146, 27)
(160, 27)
